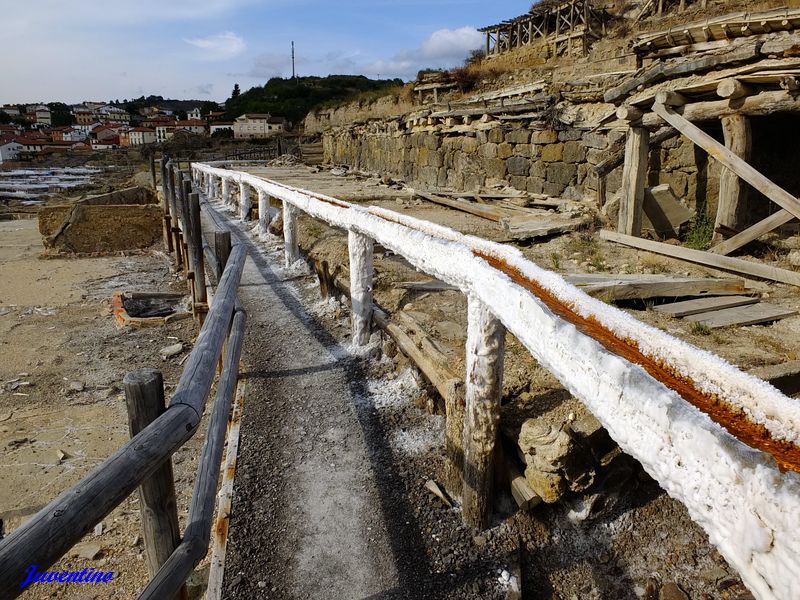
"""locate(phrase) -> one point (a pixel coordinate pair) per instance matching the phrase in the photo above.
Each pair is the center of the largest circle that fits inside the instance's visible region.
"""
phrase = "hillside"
(293, 98)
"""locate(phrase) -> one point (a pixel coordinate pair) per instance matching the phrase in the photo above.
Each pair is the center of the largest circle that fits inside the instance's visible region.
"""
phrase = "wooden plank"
(526, 227)
(643, 287)
(724, 263)
(741, 316)
(728, 159)
(430, 285)
(732, 190)
(634, 178)
(487, 212)
(754, 232)
(703, 305)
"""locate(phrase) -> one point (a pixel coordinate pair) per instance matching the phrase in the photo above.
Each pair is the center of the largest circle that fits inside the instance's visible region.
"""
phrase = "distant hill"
(294, 98)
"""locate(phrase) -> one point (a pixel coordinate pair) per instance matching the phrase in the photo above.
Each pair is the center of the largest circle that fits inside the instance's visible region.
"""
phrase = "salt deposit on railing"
(607, 359)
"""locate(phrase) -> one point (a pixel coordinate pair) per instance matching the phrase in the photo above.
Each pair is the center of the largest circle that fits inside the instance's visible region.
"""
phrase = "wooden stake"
(732, 190)
(263, 214)
(244, 201)
(222, 250)
(226, 191)
(144, 396)
(197, 249)
(291, 247)
(361, 249)
(484, 358)
(634, 179)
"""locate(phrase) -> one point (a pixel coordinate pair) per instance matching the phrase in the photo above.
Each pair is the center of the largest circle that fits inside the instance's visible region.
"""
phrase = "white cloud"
(220, 46)
(444, 48)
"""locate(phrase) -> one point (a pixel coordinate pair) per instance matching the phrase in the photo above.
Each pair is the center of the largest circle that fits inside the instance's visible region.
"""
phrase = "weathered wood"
(703, 305)
(197, 248)
(436, 368)
(733, 89)
(360, 249)
(479, 210)
(785, 376)
(616, 155)
(484, 386)
(291, 248)
(263, 215)
(732, 190)
(729, 160)
(670, 98)
(144, 397)
(634, 179)
(754, 232)
(531, 227)
(724, 263)
(226, 190)
(611, 288)
(629, 113)
(222, 250)
(430, 285)
(245, 204)
(167, 229)
(753, 314)
(521, 490)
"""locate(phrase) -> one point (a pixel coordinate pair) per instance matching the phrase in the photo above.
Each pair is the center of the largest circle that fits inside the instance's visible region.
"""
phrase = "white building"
(9, 151)
(251, 126)
(221, 126)
(142, 135)
(43, 116)
(194, 114)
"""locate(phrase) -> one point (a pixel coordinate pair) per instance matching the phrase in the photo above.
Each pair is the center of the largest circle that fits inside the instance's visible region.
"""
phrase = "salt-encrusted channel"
(748, 507)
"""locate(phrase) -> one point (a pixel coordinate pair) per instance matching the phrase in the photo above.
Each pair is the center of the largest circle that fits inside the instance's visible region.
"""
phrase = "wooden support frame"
(360, 249)
(484, 387)
(634, 179)
(732, 190)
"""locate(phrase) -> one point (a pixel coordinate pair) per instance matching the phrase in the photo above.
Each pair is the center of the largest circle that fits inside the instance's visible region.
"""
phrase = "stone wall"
(556, 162)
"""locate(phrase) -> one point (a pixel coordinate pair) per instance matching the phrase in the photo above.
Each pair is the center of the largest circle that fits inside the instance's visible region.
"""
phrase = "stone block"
(441, 179)
(553, 153)
(495, 167)
(505, 150)
(595, 157)
(431, 141)
(595, 140)
(562, 173)
(488, 150)
(497, 135)
(473, 182)
(522, 150)
(519, 182)
(535, 185)
(482, 137)
(518, 165)
(539, 169)
(470, 145)
(570, 135)
(436, 159)
(553, 189)
(429, 175)
(518, 136)
(574, 152)
(546, 136)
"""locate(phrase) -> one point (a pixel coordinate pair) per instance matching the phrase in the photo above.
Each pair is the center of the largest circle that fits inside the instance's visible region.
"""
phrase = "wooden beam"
(732, 190)
(479, 210)
(729, 160)
(244, 201)
(634, 179)
(484, 358)
(703, 305)
(669, 98)
(724, 263)
(291, 248)
(733, 89)
(750, 234)
(760, 105)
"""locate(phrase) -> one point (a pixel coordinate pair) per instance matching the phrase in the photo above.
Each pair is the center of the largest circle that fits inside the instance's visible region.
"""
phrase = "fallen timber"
(720, 441)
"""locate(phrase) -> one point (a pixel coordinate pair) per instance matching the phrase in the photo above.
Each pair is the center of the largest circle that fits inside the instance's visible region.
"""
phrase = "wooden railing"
(720, 441)
(157, 432)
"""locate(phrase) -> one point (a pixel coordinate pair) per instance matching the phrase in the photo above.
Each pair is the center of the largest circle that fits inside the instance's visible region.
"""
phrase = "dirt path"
(317, 512)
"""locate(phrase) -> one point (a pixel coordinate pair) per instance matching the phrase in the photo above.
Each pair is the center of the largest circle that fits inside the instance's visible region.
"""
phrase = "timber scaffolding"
(158, 431)
(675, 96)
(565, 28)
(724, 443)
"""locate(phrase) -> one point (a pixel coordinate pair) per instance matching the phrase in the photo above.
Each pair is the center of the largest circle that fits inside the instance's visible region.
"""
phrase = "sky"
(104, 50)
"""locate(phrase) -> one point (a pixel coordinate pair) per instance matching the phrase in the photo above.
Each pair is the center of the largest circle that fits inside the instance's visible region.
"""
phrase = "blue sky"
(111, 49)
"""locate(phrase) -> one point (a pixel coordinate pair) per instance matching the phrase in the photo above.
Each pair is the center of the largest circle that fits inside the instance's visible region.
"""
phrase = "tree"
(181, 115)
(5, 118)
(236, 91)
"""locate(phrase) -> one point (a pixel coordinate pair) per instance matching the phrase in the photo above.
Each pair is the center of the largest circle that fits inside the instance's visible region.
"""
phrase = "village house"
(250, 126)
(9, 150)
(140, 136)
(11, 110)
(43, 116)
(194, 114)
(221, 126)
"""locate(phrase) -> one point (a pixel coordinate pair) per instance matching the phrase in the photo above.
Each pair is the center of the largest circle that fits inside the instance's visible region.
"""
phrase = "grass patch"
(700, 329)
(700, 233)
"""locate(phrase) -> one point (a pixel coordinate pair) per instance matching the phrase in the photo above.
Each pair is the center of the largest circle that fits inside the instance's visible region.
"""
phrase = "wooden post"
(174, 226)
(361, 250)
(290, 245)
(144, 396)
(165, 208)
(226, 191)
(263, 215)
(222, 250)
(484, 358)
(244, 201)
(197, 250)
(732, 190)
(634, 179)
(153, 169)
